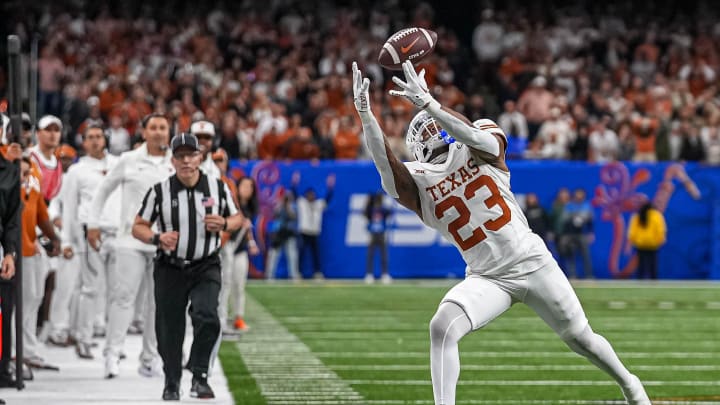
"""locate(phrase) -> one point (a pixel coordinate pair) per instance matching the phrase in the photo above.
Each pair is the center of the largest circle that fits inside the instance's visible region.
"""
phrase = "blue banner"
(687, 194)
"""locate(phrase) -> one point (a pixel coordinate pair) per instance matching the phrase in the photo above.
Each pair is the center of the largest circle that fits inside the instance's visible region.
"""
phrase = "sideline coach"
(191, 210)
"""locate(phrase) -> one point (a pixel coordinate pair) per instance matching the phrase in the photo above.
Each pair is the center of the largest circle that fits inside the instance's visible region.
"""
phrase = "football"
(407, 44)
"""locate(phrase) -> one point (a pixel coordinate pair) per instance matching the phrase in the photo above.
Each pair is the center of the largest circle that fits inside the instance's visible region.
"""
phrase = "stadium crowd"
(595, 84)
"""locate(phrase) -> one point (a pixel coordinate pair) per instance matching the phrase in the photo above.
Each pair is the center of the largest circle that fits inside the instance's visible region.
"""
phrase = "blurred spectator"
(50, 80)
(119, 136)
(692, 149)
(300, 146)
(283, 235)
(577, 234)
(377, 216)
(534, 104)
(512, 122)
(558, 132)
(647, 233)
(310, 218)
(604, 145)
(538, 219)
(581, 144)
(347, 139)
(487, 38)
(626, 147)
(645, 131)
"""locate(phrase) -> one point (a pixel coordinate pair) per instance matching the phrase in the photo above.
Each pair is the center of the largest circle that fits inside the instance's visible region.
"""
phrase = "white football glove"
(361, 96)
(414, 88)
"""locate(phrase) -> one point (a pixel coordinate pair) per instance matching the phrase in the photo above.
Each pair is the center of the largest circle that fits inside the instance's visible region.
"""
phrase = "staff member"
(191, 209)
(79, 186)
(134, 172)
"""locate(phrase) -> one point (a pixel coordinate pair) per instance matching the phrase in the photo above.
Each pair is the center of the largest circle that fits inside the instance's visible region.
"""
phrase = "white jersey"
(472, 206)
(134, 173)
(79, 187)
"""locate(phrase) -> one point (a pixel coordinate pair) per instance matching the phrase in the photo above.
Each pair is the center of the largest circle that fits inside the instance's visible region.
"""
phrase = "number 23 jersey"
(472, 206)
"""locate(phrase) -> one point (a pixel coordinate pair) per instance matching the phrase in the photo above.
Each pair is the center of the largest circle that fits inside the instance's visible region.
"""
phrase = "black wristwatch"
(155, 239)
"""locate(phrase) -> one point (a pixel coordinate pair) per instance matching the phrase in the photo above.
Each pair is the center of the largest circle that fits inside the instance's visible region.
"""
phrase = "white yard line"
(269, 347)
(651, 383)
(514, 354)
(516, 367)
(538, 402)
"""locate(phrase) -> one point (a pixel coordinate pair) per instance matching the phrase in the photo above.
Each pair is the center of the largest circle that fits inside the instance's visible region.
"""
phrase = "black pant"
(173, 287)
(7, 294)
(311, 242)
(377, 242)
(647, 264)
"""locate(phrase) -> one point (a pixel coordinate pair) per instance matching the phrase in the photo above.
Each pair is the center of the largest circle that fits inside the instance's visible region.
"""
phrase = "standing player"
(460, 185)
(79, 186)
(135, 172)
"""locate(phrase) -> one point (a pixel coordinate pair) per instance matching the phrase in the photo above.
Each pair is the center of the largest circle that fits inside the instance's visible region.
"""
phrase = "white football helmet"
(424, 136)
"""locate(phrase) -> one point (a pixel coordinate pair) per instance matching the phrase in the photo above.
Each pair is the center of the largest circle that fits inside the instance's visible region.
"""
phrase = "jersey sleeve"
(148, 209)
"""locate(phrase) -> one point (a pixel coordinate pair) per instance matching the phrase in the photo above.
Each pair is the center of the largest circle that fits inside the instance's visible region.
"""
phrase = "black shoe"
(7, 382)
(201, 389)
(171, 392)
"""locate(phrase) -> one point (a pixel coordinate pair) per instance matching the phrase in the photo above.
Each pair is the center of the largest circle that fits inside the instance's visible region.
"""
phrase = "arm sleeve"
(110, 183)
(11, 221)
(69, 216)
(479, 135)
(148, 209)
(375, 142)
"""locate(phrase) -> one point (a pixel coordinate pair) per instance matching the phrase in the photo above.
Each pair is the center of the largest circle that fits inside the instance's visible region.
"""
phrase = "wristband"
(155, 239)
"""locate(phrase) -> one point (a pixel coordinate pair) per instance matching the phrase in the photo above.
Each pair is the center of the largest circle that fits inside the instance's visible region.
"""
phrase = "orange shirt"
(347, 144)
(34, 212)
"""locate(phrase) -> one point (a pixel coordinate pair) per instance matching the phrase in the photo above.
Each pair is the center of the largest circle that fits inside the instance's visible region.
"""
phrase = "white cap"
(202, 127)
(539, 81)
(48, 120)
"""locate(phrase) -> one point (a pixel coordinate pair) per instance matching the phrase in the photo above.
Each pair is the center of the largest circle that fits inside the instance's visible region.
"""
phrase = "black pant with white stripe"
(174, 286)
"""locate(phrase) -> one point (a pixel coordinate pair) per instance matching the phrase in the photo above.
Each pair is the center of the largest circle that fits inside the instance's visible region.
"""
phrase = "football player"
(460, 185)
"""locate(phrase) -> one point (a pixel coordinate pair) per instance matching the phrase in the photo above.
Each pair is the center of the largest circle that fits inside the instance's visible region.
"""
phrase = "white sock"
(447, 327)
(599, 352)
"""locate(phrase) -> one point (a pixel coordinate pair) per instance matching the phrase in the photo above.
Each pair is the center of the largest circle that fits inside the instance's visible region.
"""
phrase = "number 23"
(478, 235)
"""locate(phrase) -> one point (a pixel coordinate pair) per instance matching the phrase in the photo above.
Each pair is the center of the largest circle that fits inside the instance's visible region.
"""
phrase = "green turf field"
(338, 343)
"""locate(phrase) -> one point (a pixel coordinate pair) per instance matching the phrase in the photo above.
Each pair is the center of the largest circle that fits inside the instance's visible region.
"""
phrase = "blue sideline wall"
(693, 217)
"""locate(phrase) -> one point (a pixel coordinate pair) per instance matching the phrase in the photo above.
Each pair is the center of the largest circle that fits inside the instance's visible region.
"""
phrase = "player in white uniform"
(135, 172)
(460, 185)
(79, 187)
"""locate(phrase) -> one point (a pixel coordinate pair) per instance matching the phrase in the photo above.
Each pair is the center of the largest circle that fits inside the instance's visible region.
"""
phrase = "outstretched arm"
(395, 177)
(486, 137)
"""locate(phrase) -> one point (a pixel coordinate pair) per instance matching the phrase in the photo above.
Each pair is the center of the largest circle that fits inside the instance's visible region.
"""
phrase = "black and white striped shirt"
(182, 209)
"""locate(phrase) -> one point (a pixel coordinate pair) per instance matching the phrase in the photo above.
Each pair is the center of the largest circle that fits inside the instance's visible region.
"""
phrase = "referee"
(191, 209)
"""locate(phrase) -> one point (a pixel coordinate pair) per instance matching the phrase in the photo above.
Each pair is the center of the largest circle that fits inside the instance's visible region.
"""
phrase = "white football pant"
(132, 268)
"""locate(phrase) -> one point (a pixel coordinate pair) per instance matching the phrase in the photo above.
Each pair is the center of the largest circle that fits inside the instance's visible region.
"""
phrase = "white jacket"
(210, 168)
(80, 184)
(135, 172)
